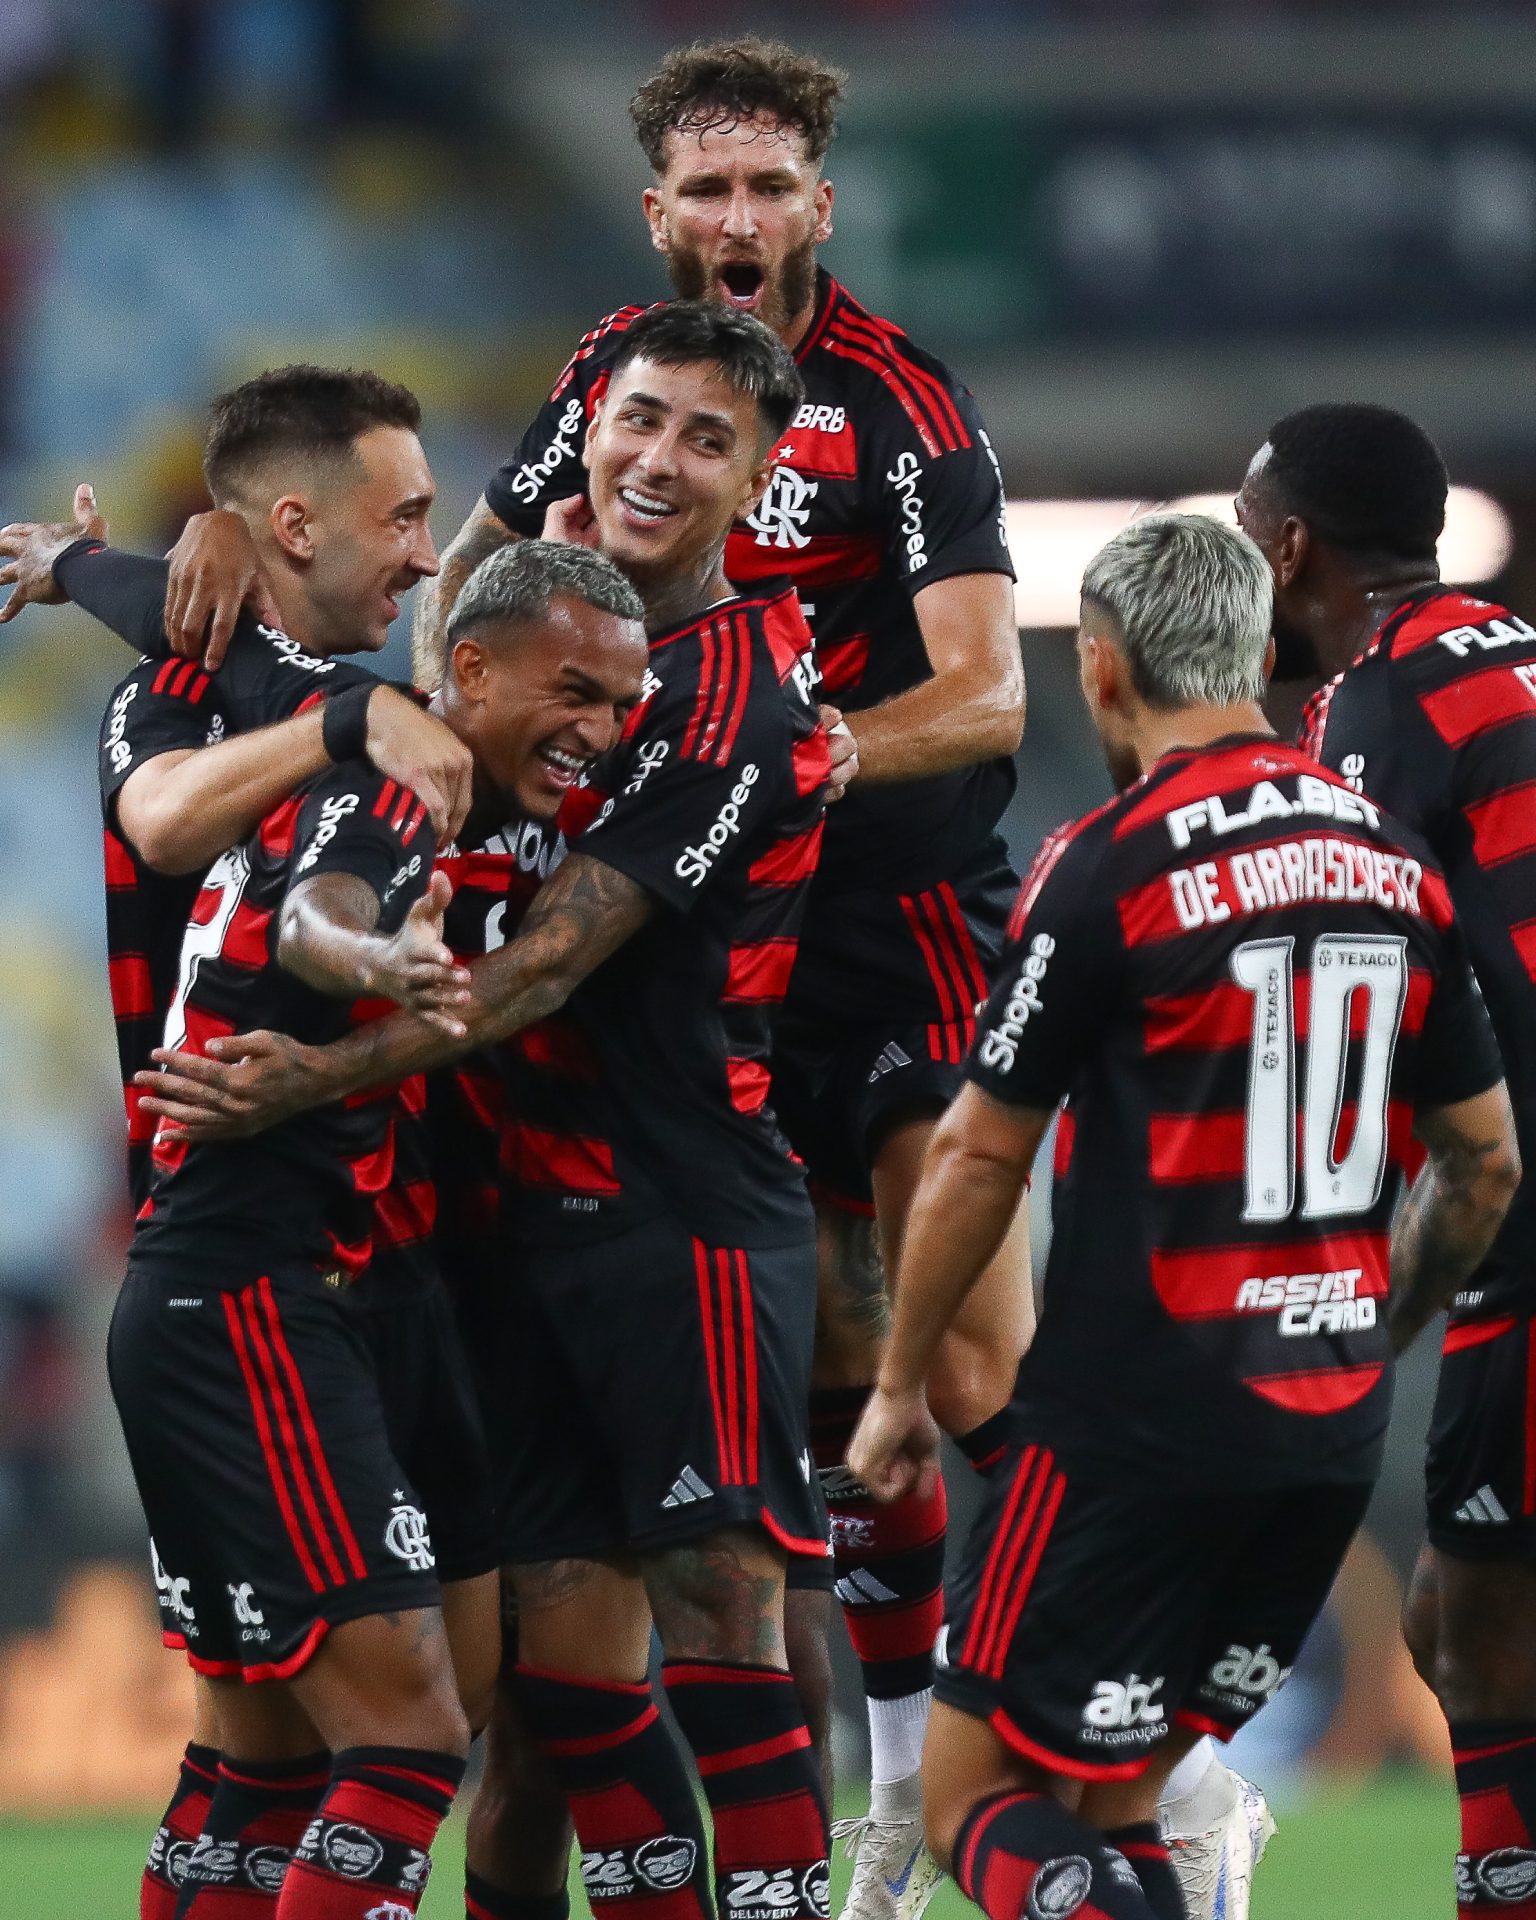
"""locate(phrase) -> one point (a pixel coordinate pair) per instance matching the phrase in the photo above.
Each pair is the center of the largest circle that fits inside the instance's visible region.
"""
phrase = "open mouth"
(564, 769)
(645, 506)
(741, 281)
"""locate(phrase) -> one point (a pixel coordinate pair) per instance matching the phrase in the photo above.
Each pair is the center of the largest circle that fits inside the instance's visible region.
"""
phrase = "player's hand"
(410, 745)
(571, 522)
(215, 571)
(243, 1084)
(417, 971)
(895, 1446)
(845, 752)
(30, 548)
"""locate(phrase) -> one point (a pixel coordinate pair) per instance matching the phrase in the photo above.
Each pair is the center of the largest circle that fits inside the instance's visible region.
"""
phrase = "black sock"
(1144, 1847)
(985, 1445)
(1020, 1853)
(633, 1802)
(255, 1819)
(177, 1833)
(482, 1901)
(760, 1774)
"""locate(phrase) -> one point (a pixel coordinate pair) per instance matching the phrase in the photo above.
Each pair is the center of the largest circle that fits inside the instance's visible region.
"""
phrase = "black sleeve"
(265, 677)
(353, 820)
(1458, 1055)
(939, 493)
(687, 805)
(547, 464)
(1050, 1004)
(161, 707)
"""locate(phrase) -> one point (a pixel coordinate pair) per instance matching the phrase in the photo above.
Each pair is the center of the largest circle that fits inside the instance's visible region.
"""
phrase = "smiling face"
(537, 702)
(739, 212)
(361, 532)
(674, 455)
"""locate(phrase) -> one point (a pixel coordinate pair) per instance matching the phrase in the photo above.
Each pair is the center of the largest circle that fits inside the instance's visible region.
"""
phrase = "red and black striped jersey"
(1436, 721)
(885, 483)
(166, 705)
(304, 1190)
(647, 1097)
(1246, 979)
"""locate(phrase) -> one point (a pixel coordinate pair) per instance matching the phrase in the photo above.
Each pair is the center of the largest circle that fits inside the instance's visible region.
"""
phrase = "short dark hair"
(752, 359)
(719, 83)
(299, 412)
(517, 583)
(1364, 478)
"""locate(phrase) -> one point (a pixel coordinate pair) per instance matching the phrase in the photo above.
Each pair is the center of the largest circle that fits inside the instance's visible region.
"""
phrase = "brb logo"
(781, 514)
(1000, 1048)
(407, 1537)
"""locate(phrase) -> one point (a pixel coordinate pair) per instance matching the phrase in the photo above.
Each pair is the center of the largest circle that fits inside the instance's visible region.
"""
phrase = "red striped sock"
(889, 1560)
(1020, 1853)
(255, 1819)
(636, 1812)
(366, 1853)
(1496, 1782)
(755, 1758)
(1144, 1848)
(177, 1833)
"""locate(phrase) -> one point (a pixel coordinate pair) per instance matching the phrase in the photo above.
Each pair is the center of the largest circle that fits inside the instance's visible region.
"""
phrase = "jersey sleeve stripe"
(743, 641)
(386, 799)
(929, 392)
(701, 700)
(906, 399)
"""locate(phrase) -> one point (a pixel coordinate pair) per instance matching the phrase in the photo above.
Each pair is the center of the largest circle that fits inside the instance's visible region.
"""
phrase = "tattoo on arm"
(540, 1584)
(481, 535)
(1446, 1226)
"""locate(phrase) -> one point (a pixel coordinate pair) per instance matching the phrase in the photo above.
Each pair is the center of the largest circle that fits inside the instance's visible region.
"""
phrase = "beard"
(1295, 653)
(787, 290)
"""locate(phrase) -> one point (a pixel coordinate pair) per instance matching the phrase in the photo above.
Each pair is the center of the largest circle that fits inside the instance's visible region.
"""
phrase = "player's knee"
(720, 1598)
(520, 1823)
(1419, 1630)
(944, 1812)
(968, 1384)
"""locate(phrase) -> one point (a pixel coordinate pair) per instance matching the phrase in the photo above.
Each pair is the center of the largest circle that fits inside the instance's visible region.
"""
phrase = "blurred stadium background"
(1141, 229)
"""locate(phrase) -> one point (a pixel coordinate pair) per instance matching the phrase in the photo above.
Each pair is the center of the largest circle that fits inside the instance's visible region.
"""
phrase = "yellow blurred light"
(1053, 541)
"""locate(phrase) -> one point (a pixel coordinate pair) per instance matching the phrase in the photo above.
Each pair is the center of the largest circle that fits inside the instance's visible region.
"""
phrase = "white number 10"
(1342, 965)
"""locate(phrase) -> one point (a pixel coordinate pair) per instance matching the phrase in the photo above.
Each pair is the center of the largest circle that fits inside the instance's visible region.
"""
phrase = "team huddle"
(581, 1108)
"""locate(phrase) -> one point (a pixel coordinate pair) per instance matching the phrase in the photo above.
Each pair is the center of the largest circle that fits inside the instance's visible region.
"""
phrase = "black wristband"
(344, 723)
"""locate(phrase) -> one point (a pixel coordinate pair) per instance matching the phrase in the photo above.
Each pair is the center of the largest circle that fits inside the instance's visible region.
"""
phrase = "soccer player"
(1431, 712)
(329, 471)
(886, 510)
(659, 1356)
(1246, 981)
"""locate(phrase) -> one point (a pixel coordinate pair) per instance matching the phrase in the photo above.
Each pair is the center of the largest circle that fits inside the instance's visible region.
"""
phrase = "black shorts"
(880, 1015)
(256, 1432)
(654, 1390)
(1480, 1470)
(432, 1418)
(1087, 1617)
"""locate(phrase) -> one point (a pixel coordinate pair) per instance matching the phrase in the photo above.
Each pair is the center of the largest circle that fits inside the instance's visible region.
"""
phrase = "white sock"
(896, 1729)
(1199, 1793)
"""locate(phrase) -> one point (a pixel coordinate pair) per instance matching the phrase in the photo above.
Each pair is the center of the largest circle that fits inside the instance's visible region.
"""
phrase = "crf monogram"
(407, 1536)
(784, 510)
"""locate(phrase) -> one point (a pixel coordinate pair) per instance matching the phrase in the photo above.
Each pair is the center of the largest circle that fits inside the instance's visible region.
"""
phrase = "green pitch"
(1383, 1855)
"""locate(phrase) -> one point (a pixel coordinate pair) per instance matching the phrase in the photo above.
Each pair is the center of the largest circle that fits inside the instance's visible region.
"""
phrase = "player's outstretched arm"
(215, 572)
(326, 936)
(973, 706)
(29, 549)
(181, 810)
(251, 1081)
(1454, 1209)
(972, 1183)
(481, 535)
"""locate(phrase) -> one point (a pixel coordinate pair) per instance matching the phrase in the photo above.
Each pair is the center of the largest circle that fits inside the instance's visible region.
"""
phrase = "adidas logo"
(687, 1488)
(861, 1589)
(892, 1057)
(1483, 1510)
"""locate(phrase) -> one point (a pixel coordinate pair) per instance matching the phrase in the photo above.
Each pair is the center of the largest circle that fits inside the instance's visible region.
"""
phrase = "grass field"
(1383, 1855)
